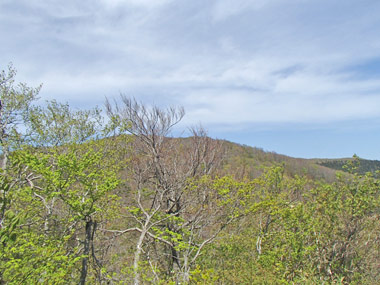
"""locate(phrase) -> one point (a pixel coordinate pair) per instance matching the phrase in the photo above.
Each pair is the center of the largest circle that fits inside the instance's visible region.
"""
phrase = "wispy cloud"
(228, 62)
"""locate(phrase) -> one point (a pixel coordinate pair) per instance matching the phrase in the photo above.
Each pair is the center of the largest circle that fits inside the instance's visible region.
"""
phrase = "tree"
(75, 188)
(15, 100)
(170, 207)
(68, 171)
(301, 231)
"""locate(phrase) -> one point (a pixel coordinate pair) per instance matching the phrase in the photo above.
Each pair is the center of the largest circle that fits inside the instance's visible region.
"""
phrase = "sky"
(298, 77)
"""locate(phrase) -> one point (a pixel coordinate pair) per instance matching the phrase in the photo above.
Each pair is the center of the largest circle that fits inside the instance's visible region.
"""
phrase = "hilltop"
(245, 161)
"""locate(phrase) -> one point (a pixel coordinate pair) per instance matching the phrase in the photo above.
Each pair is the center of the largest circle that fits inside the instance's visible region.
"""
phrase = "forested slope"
(119, 201)
(249, 162)
(364, 165)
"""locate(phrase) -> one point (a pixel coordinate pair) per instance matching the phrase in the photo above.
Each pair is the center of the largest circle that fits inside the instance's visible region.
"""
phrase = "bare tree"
(169, 209)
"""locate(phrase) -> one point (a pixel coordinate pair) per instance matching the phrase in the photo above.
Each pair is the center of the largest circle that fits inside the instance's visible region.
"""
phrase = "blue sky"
(299, 77)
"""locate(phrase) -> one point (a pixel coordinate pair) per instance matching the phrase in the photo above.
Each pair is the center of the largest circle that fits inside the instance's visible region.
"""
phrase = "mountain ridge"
(249, 161)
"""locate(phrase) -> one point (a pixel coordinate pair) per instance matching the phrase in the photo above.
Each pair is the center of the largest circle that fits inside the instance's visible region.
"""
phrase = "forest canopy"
(111, 197)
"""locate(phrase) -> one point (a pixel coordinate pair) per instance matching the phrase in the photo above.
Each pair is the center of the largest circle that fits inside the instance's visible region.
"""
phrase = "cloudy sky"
(299, 77)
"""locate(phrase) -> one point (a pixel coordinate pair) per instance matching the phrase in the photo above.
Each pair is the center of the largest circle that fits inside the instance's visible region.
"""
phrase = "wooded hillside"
(91, 199)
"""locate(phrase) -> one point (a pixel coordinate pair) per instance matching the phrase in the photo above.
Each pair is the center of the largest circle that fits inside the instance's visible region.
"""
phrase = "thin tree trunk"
(5, 160)
(87, 241)
(186, 270)
(137, 258)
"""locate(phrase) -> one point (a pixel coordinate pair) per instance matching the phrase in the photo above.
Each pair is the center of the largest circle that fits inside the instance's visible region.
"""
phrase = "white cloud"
(227, 62)
(227, 8)
(139, 3)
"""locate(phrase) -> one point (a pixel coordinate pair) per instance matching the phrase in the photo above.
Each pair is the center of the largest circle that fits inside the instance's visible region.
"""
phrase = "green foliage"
(76, 175)
(34, 258)
(360, 166)
(57, 124)
(74, 182)
(325, 234)
(74, 210)
(15, 101)
(56, 190)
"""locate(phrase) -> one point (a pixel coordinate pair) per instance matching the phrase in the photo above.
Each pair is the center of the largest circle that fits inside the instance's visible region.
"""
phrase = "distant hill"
(242, 161)
(245, 161)
(364, 165)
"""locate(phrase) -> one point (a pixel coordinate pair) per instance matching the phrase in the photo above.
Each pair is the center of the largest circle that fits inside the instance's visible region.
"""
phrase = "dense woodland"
(110, 197)
(364, 165)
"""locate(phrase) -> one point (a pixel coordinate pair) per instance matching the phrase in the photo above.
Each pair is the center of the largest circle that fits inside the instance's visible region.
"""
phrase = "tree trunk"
(87, 242)
(137, 258)
(5, 160)
(186, 270)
